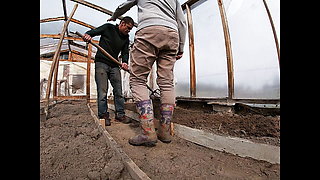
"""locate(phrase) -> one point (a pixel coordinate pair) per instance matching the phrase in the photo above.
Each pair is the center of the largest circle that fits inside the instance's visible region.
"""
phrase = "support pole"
(56, 56)
(88, 71)
(273, 30)
(65, 19)
(192, 57)
(228, 50)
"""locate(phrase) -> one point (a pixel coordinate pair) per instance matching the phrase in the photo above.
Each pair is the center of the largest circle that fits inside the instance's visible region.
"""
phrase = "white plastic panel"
(210, 52)
(255, 60)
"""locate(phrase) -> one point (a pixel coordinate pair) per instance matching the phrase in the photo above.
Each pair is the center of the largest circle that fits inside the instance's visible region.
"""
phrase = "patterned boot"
(148, 137)
(163, 133)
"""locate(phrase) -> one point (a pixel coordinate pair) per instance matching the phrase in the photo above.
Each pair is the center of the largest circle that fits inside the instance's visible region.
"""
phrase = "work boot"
(123, 119)
(163, 132)
(106, 118)
(148, 136)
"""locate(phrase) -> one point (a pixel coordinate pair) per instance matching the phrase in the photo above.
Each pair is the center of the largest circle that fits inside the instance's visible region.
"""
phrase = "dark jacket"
(113, 41)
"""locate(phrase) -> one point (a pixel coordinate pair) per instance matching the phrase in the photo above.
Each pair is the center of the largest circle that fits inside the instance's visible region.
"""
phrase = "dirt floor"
(72, 148)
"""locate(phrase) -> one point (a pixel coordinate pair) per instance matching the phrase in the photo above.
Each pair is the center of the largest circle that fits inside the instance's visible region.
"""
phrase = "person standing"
(114, 39)
(159, 39)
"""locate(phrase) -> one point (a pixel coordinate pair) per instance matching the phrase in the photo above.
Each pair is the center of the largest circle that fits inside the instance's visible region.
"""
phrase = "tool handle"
(102, 50)
(107, 54)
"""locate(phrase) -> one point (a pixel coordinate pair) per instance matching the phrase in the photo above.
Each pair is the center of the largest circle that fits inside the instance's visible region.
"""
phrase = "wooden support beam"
(73, 51)
(192, 56)
(64, 10)
(70, 57)
(69, 97)
(51, 19)
(273, 30)
(101, 9)
(54, 64)
(68, 60)
(72, 20)
(55, 79)
(228, 50)
(57, 36)
(82, 23)
(88, 71)
(82, 54)
(65, 19)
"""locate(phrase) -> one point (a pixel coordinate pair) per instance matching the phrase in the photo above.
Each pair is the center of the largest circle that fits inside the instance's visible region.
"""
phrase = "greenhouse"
(227, 95)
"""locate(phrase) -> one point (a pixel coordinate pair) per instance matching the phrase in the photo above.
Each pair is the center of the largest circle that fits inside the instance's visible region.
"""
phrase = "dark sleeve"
(98, 31)
(125, 52)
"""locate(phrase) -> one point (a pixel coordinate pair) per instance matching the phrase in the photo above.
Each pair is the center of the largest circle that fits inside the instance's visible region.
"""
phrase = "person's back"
(157, 12)
(166, 13)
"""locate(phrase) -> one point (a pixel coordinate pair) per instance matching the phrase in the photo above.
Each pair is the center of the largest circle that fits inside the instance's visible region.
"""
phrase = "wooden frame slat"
(54, 65)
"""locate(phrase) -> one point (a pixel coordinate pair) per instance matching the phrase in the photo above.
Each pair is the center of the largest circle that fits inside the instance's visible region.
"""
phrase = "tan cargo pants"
(154, 44)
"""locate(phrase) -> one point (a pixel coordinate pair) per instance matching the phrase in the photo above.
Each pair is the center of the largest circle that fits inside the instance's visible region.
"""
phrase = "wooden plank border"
(135, 172)
(234, 145)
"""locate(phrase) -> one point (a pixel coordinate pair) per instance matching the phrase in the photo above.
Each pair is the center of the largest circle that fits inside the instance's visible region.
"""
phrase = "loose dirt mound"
(71, 147)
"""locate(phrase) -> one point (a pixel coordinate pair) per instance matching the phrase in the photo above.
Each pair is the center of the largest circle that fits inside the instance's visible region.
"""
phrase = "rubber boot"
(148, 136)
(163, 133)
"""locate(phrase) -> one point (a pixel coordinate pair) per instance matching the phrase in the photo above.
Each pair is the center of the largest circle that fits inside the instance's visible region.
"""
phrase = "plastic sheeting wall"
(76, 70)
(256, 65)
(255, 61)
(210, 56)
(210, 51)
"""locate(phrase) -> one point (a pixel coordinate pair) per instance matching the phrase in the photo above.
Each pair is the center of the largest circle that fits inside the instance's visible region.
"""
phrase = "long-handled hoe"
(154, 93)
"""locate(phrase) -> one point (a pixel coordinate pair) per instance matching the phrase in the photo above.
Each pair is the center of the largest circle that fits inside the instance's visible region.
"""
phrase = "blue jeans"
(103, 73)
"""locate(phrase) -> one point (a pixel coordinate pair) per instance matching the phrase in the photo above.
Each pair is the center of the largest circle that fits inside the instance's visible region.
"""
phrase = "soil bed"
(255, 127)
(71, 147)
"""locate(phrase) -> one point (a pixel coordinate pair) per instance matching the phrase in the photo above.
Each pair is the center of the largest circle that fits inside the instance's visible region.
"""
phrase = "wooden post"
(228, 50)
(88, 71)
(192, 57)
(103, 123)
(274, 30)
(56, 55)
(55, 78)
(66, 18)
